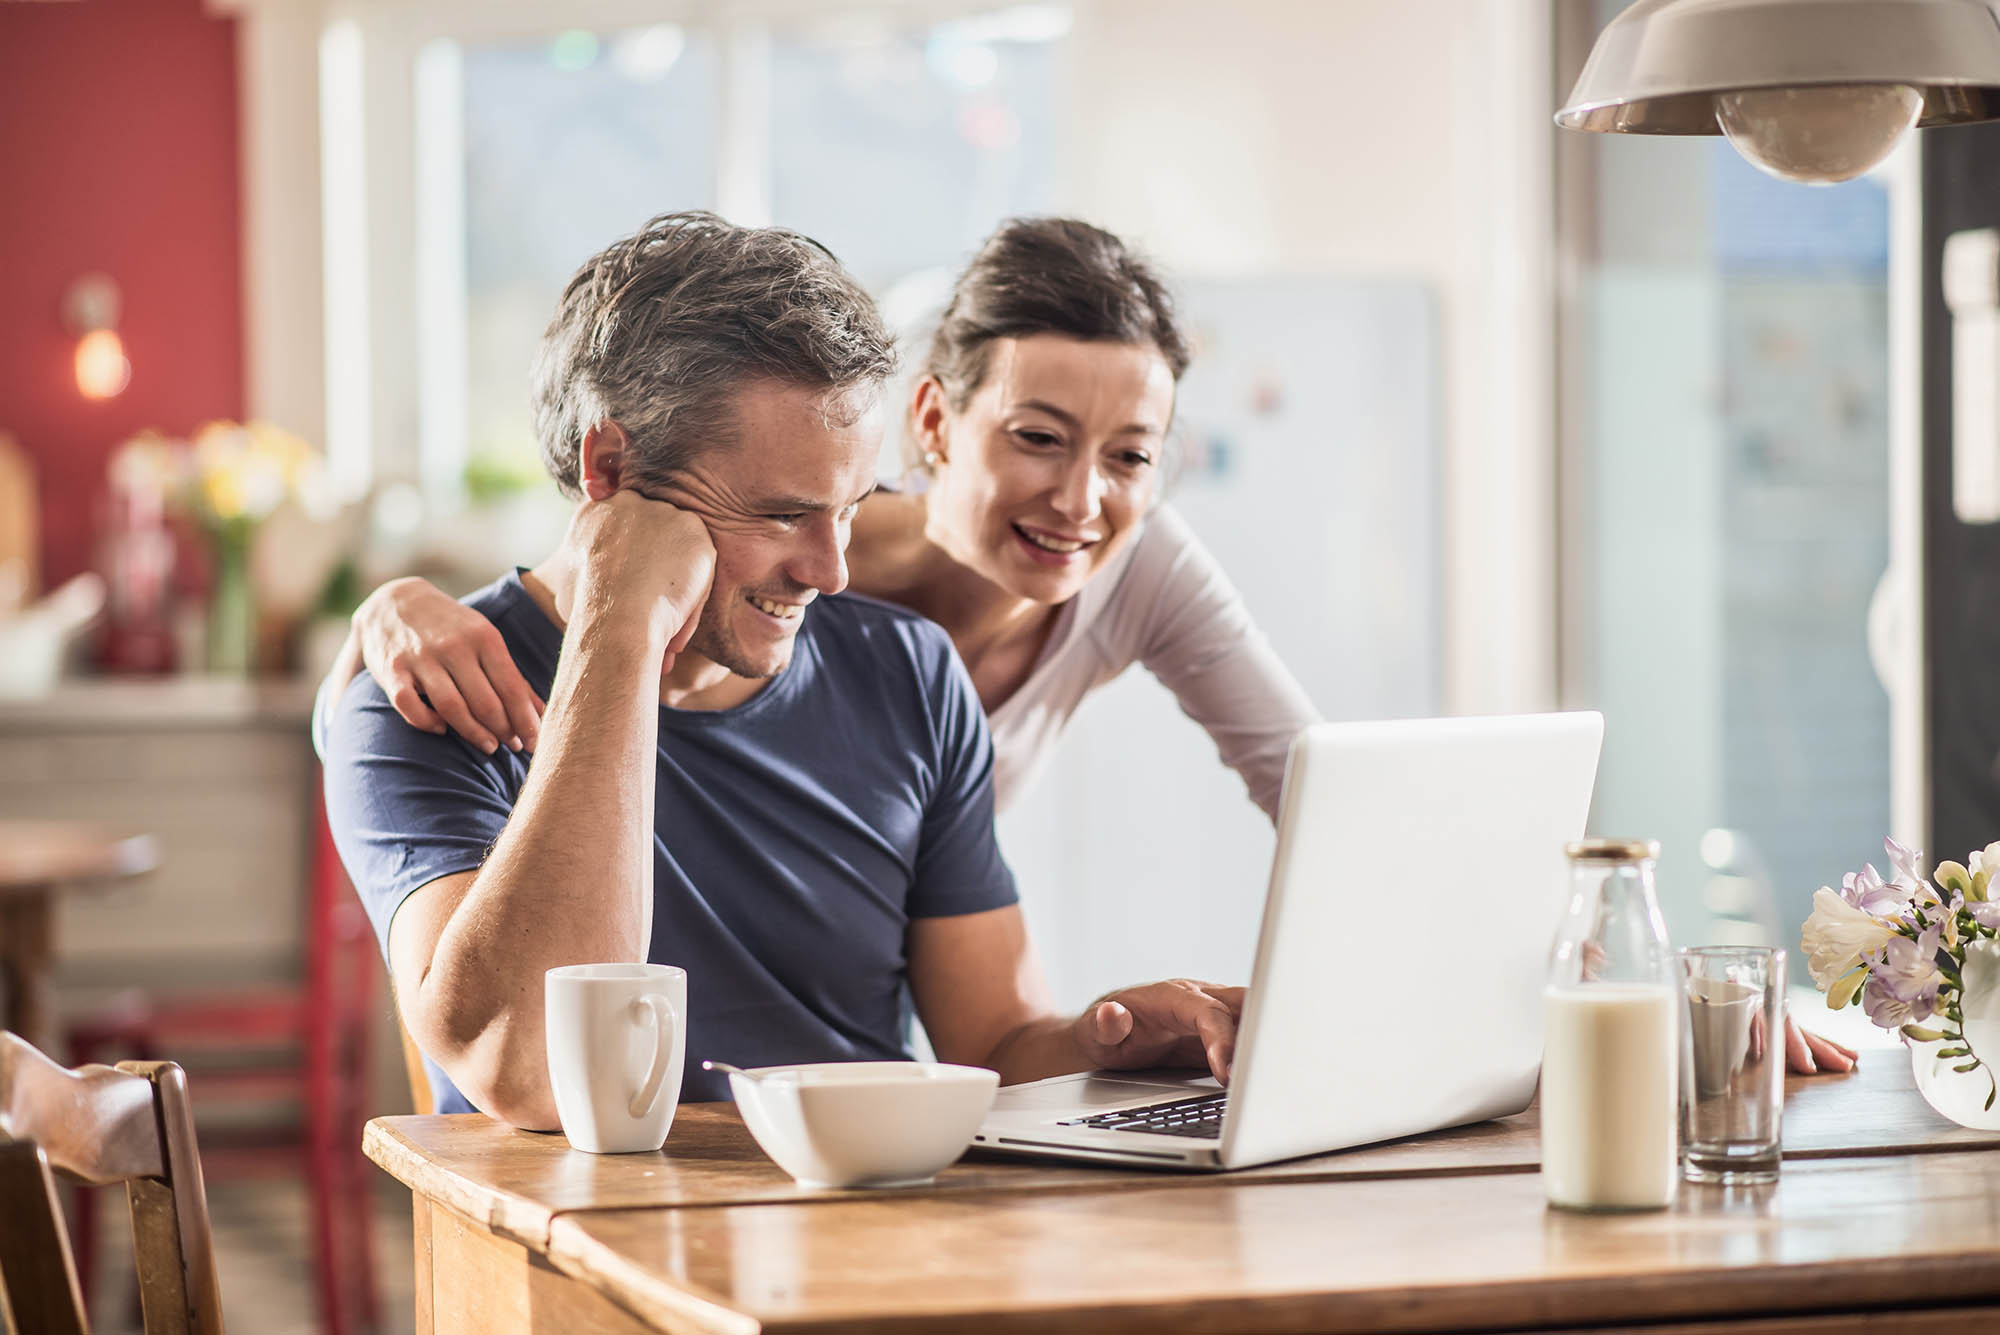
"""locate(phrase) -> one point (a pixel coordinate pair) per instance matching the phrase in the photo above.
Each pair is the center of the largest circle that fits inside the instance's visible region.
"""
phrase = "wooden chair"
(314, 1038)
(413, 1067)
(100, 1125)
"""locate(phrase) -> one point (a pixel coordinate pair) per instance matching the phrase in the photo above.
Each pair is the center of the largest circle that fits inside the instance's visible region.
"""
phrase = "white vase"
(1962, 1095)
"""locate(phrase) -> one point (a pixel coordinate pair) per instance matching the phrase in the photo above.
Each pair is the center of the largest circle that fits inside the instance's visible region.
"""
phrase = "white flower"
(1867, 891)
(1984, 867)
(1837, 935)
(1905, 860)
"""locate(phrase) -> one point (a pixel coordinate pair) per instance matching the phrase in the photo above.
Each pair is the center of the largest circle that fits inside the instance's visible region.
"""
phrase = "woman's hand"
(443, 665)
(1809, 1054)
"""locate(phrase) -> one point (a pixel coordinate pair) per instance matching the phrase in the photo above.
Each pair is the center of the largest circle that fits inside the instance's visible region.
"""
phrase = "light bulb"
(101, 369)
(1818, 134)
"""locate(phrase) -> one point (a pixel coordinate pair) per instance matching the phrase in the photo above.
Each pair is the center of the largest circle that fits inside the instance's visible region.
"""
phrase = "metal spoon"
(727, 1069)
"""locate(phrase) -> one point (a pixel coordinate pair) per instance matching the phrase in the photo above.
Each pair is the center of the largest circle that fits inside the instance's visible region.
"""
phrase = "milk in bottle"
(1610, 1111)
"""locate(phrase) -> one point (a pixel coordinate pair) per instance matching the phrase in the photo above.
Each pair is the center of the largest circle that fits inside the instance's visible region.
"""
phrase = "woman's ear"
(927, 417)
(600, 464)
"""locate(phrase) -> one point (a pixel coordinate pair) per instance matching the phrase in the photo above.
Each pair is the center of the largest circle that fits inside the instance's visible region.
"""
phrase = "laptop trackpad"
(1087, 1092)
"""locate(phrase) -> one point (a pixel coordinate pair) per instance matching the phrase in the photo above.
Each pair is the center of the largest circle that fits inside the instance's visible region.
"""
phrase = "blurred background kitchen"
(1484, 417)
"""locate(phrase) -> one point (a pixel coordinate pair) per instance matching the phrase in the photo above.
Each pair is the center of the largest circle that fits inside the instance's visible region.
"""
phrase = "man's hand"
(636, 556)
(1176, 1023)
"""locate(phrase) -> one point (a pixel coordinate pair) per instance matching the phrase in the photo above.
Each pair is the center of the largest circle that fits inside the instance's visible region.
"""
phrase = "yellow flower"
(247, 471)
(226, 473)
(222, 493)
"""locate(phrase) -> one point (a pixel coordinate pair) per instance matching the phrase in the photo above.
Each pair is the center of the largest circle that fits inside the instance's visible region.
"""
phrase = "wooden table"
(37, 860)
(1881, 1205)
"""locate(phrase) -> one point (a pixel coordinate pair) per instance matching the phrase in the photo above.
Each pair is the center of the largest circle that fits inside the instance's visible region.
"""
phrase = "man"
(790, 798)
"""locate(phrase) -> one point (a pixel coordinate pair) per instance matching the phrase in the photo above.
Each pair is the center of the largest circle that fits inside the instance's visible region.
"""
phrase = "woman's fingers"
(468, 674)
(1809, 1054)
(418, 640)
(1798, 1055)
(522, 706)
(401, 688)
(449, 705)
(1830, 1055)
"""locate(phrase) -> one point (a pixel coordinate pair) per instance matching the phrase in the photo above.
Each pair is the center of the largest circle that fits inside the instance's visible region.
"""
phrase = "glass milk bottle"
(1612, 1038)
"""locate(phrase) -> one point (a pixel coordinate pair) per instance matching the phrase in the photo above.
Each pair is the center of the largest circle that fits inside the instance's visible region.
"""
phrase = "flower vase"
(1962, 1095)
(232, 605)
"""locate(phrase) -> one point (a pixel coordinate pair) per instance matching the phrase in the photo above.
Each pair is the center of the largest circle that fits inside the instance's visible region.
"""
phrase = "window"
(901, 150)
(464, 207)
(1727, 523)
(567, 144)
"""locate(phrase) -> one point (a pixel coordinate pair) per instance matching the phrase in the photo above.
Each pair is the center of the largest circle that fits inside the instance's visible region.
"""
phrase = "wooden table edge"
(676, 1306)
(122, 854)
(1844, 1287)
(505, 1214)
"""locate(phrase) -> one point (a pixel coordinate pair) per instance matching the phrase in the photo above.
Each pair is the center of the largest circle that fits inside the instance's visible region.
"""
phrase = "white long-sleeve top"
(1165, 603)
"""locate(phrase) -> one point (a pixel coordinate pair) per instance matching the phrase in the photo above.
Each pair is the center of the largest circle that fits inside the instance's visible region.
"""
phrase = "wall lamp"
(1816, 91)
(90, 311)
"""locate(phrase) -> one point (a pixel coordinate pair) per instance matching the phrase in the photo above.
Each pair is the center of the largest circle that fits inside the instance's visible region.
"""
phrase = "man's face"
(778, 503)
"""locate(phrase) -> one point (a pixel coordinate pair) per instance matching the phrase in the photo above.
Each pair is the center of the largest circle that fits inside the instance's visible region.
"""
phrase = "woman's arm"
(441, 664)
(1184, 620)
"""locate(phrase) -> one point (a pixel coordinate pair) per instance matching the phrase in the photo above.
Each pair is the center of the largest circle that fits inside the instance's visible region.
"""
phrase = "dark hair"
(656, 331)
(1051, 276)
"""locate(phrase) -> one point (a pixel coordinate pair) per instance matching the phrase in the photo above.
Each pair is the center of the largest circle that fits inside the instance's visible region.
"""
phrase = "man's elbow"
(500, 1067)
(525, 1103)
(506, 1084)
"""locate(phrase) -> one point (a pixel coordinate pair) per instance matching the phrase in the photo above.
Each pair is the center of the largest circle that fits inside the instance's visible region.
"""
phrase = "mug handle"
(663, 1049)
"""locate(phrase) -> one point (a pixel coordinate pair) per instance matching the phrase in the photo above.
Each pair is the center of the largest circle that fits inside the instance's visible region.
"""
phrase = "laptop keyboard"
(1199, 1117)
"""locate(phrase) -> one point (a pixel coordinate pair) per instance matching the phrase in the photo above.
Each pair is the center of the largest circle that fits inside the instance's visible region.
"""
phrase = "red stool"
(319, 1034)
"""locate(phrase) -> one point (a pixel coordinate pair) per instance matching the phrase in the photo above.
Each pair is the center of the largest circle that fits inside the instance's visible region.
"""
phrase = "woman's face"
(1047, 471)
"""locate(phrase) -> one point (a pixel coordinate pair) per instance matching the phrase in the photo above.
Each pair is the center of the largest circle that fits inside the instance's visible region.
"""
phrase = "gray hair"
(656, 331)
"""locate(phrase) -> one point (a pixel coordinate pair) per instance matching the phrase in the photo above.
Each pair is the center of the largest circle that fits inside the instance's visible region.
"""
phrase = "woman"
(1037, 541)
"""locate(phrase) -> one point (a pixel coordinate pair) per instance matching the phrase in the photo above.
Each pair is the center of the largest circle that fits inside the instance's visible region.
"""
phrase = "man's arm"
(569, 881)
(985, 1002)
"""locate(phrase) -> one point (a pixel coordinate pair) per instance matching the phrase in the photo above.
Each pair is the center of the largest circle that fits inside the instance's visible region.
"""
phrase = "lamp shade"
(1658, 67)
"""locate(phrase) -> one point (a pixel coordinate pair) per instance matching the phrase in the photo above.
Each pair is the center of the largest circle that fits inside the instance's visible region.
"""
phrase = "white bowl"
(864, 1124)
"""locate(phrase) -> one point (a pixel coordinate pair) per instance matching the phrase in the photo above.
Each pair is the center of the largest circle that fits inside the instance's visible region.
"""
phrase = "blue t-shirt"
(794, 837)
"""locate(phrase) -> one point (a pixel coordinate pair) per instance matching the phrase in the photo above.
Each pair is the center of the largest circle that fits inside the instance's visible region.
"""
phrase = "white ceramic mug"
(617, 1038)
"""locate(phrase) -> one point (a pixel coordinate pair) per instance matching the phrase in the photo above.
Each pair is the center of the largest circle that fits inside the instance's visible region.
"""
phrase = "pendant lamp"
(1816, 91)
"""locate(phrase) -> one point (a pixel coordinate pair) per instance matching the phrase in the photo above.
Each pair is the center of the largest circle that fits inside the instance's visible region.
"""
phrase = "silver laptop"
(1418, 877)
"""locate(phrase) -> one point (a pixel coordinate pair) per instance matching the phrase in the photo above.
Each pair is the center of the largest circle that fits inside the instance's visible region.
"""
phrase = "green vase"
(232, 606)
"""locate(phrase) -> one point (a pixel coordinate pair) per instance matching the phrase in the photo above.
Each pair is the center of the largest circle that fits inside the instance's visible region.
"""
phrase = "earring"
(930, 458)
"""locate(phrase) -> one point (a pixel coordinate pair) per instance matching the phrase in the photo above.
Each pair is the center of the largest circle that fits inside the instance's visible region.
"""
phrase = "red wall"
(118, 153)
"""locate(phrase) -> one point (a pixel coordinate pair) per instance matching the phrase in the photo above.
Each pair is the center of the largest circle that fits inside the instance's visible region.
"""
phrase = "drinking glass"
(1734, 1088)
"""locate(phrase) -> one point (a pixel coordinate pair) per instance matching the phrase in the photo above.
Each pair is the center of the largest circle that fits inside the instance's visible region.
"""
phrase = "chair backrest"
(98, 1125)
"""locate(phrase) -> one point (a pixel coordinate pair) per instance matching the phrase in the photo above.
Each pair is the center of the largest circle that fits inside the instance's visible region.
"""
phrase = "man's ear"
(600, 464)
